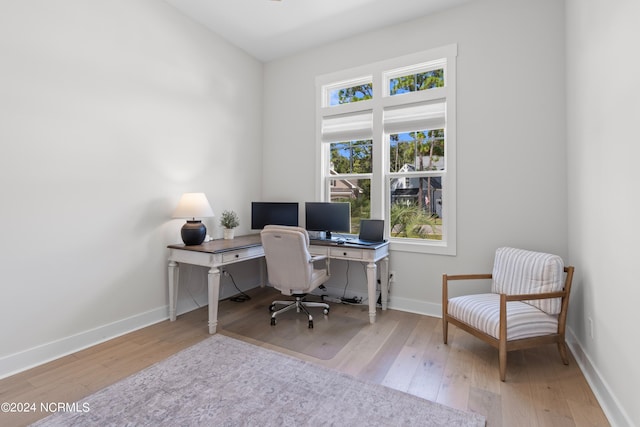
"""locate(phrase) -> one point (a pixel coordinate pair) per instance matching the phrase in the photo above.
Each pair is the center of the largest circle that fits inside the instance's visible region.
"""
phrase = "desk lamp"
(193, 205)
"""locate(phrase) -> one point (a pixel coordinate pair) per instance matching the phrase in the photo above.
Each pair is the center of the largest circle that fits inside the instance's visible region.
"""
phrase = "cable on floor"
(242, 297)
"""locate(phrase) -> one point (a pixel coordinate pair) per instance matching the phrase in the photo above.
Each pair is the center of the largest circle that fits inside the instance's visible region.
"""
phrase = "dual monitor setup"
(323, 217)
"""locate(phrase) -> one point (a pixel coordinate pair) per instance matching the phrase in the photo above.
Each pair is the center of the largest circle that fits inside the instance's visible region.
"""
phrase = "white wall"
(104, 104)
(511, 134)
(603, 104)
(514, 95)
(111, 110)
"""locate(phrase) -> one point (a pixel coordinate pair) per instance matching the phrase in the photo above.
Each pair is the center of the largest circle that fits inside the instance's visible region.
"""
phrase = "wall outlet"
(590, 324)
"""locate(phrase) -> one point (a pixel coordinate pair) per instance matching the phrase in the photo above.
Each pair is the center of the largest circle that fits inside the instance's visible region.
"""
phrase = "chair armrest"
(445, 285)
(526, 297)
(317, 258)
(467, 276)
(504, 298)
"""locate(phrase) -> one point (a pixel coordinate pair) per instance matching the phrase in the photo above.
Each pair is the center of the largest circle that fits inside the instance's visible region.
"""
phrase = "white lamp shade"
(193, 205)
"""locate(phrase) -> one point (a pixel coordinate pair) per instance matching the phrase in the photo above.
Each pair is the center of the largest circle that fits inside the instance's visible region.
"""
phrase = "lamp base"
(193, 232)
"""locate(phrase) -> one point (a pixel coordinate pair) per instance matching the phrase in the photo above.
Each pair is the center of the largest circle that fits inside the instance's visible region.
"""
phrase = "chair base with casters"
(300, 305)
(290, 268)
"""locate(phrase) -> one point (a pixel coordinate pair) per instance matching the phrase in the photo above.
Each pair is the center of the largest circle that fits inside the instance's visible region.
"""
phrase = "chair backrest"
(518, 271)
(286, 250)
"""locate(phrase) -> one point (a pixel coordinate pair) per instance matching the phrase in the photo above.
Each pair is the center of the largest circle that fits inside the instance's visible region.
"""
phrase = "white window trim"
(379, 72)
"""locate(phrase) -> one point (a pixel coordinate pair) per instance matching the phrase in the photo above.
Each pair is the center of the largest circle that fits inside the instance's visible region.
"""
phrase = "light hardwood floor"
(401, 350)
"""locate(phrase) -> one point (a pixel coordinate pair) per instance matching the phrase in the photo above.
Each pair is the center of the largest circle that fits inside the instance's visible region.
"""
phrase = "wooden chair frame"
(502, 344)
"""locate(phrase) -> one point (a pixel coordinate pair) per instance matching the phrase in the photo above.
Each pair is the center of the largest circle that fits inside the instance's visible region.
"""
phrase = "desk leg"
(263, 274)
(174, 275)
(213, 280)
(384, 282)
(371, 290)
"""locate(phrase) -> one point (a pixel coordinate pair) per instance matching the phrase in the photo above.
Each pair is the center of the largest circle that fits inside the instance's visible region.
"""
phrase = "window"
(386, 144)
(415, 196)
(350, 171)
(351, 91)
(416, 78)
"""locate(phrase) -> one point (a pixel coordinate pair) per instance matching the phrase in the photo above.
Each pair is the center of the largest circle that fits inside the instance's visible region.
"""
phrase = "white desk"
(218, 253)
(371, 255)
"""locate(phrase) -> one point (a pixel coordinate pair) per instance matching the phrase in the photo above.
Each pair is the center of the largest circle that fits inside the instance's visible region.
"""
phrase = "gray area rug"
(222, 381)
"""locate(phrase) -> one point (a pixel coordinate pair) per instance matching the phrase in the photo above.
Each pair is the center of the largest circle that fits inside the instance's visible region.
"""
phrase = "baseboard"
(27, 359)
(610, 405)
(340, 292)
(30, 358)
(18, 362)
(395, 303)
(417, 307)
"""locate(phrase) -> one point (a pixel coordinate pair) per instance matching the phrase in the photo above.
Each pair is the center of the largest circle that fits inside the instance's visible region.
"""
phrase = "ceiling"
(271, 29)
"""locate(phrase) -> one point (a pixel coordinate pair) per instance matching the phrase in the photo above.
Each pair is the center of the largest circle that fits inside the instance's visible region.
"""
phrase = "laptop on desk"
(371, 233)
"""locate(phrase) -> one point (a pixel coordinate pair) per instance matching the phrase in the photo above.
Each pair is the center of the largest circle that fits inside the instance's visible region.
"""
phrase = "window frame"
(380, 73)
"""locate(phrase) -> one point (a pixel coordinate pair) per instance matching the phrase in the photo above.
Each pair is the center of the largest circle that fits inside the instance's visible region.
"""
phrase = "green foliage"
(352, 156)
(229, 219)
(410, 83)
(417, 82)
(360, 207)
(412, 222)
(355, 93)
(416, 145)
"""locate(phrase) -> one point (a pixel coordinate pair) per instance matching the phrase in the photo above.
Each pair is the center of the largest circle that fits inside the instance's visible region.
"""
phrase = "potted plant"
(229, 220)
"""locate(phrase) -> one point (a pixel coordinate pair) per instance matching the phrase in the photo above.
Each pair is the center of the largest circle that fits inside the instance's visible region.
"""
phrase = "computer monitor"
(273, 213)
(328, 217)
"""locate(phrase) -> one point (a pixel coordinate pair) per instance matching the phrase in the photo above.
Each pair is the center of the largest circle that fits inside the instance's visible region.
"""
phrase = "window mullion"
(417, 174)
(380, 161)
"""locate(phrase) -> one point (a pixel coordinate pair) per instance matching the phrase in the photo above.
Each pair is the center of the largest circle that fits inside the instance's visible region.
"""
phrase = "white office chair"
(291, 270)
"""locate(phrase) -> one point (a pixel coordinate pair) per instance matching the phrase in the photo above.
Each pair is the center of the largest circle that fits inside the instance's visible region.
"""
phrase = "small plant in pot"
(229, 220)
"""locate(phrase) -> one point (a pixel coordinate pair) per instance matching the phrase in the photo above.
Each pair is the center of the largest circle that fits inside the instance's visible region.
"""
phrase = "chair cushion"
(287, 256)
(518, 271)
(290, 227)
(482, 311)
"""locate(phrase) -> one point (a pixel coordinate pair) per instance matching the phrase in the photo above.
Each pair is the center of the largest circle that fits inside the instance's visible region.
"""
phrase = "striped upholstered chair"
(527, 305)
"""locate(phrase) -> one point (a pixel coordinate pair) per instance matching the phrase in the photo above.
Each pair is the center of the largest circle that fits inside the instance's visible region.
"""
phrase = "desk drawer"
(319, 250)
(346, 253)
(242, 254)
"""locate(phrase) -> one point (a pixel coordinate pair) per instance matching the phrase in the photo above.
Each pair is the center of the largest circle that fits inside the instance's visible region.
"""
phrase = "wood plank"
(545, 383)
(428, 377)
(518, 407)
(402, 350)
(456, 381)
(486, 403)
(408, 360)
